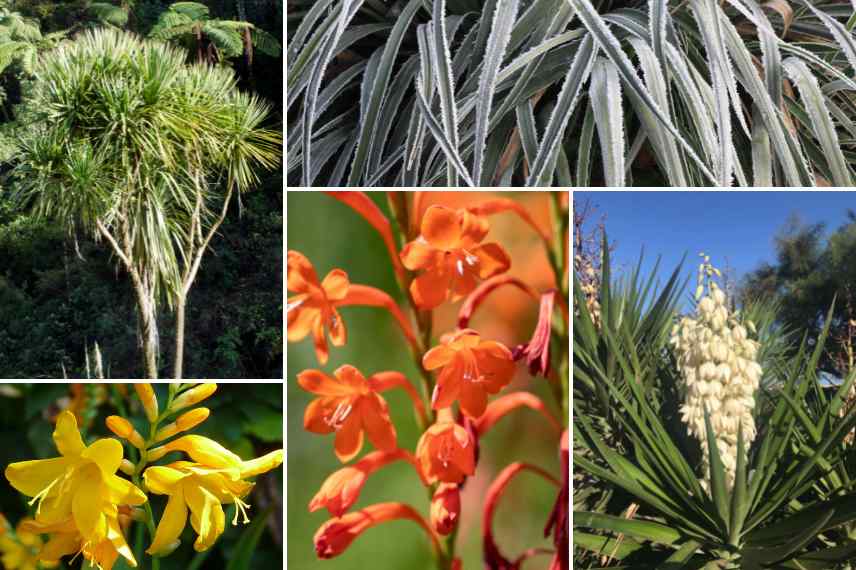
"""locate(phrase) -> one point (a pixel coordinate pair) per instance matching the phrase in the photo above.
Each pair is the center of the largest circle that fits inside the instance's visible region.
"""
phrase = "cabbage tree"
(146, 153)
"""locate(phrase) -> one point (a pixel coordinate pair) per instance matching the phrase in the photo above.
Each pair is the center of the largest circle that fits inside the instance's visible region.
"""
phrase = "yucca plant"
(791, 498)
(571, 92)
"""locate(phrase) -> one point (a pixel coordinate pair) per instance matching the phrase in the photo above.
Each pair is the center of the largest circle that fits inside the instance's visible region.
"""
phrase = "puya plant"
(439, 255)
(86, 499)
(572, 93)
(715, 483)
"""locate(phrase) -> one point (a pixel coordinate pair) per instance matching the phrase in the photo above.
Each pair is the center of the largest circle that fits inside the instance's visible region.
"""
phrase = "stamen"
(240, 507)
(460, 267)
(43, 494)
(338, 417)
(471, 367)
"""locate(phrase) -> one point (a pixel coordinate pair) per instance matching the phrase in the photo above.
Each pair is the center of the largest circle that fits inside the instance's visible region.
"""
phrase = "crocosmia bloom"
(446, 452)
(202, 488)
(472, 369)
(450, 256)
(81, 483)
(65, 540)
(312, 309)
(349, 407)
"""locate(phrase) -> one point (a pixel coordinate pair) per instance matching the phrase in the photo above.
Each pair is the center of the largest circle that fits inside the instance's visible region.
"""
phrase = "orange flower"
(445, 508)
(472, 369)
(336, 535)
(446, 451)
(348, 406)
(450, 256)
(312, 309)
(342, 488)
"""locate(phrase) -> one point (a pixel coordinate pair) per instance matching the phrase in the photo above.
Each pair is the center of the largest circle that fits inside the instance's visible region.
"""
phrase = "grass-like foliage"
(571, 92)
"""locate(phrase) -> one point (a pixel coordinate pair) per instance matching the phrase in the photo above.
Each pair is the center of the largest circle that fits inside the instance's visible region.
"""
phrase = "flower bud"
(184, 422)
(150, 403)
(123, 428)
(445, 508)
(193, 396)
(156, 453)
(127, 467)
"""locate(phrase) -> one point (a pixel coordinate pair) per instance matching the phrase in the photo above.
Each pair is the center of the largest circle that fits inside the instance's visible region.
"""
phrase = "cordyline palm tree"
(146, 153)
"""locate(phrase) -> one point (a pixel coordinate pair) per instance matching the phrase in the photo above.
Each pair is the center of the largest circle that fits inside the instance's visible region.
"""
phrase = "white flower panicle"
(718, 362)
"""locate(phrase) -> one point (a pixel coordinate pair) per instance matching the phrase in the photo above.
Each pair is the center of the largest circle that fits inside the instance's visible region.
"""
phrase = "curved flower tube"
(365, 296)
(480, 293)
(383, 381)
(498, 408)
(500, 205)
(494, 560)
(341, 490)
(336, 535)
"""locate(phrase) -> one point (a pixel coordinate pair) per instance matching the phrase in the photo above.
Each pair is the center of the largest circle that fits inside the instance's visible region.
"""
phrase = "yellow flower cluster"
(83, 504)
(717, 361)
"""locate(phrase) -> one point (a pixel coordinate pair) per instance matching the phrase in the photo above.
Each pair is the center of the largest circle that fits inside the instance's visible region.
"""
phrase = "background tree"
(144, 152)
(812, 270)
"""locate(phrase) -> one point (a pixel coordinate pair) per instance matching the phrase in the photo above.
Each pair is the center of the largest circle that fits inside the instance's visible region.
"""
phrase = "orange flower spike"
(342, 488)
(446, 451)
(445, 508)
(451, 257)
(313, 309)
(348, 406)
(336, 535)
(472, 369)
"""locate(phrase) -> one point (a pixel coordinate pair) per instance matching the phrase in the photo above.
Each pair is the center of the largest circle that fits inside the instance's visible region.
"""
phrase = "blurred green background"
(245, 418)
(331, 235)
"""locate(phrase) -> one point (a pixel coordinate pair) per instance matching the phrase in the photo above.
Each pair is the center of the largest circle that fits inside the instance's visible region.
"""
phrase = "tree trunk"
(180, 305)
(148, 331)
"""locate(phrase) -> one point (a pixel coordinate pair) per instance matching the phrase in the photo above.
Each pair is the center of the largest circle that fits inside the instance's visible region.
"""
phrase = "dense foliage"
(60, 291)
(571, 92)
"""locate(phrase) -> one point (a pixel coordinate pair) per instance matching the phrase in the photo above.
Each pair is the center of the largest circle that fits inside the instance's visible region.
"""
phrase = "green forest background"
(60, 294)
(331, 235)
(245, 418)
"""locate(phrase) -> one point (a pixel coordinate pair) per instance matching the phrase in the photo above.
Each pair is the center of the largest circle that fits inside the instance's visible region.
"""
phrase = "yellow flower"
(215, 478)
(21, 550)
(81, 483)
(66, 539)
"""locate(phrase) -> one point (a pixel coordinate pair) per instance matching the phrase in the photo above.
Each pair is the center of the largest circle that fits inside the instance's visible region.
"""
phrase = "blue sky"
(737, 225)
